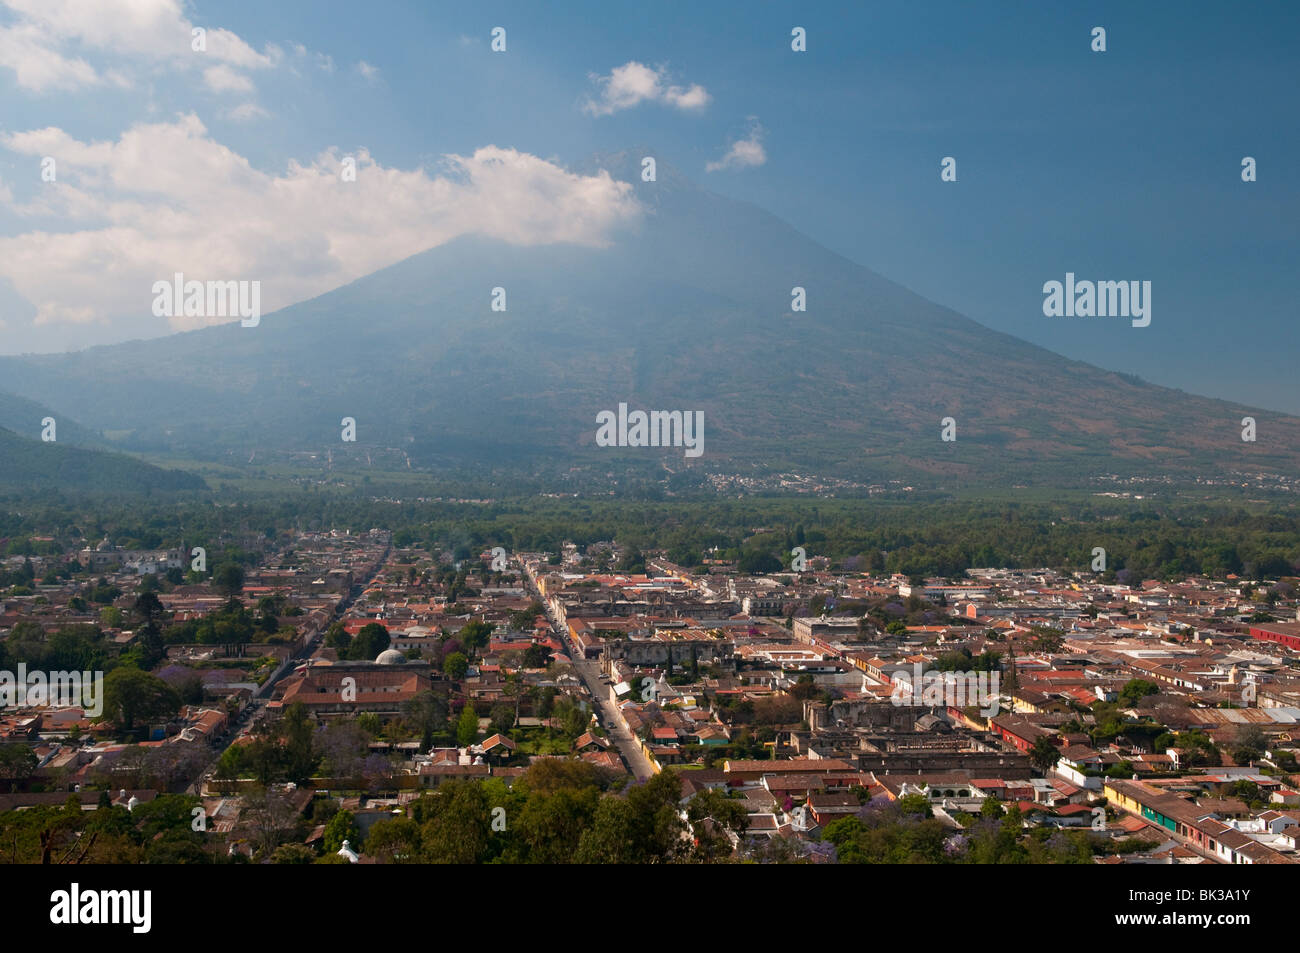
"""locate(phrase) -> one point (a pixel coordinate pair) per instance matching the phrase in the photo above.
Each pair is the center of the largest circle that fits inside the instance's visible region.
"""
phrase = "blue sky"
(1117, 165)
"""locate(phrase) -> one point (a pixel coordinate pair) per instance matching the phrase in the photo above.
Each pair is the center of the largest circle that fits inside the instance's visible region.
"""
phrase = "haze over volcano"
(687, 308)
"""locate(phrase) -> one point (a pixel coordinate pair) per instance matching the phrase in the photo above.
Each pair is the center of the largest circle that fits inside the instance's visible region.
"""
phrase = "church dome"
(390, 657)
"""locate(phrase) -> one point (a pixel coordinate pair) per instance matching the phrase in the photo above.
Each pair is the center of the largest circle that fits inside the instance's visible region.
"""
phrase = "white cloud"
(368, 71)
(744, 153)
(246, 112)
(223, 79)
(38, 66)
(117, 78)
(47, 45)
(634, 83)
(52, 141)
(696, 97)
(166, 197)
(321, 61)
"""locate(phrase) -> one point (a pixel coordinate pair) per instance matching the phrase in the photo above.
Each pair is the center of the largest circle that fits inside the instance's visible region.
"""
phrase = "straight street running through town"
(589, 671)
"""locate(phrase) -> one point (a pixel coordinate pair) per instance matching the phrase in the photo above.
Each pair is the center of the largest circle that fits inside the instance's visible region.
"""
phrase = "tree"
(537, 656)
(1196, 748)
(546, 701)
(455, 665)
(715, 819)
(394, 840)
(467, 726)
(632, 561)
(548, 827)
(427, 715)
(524, 619)
(17, 763)
(342, 827)
(1136, 689)
(148, 607)
(515, 690)
(474, 634)
(270, 815)
(916, 804)
(231, 764)
(343, 746)
(370, 723)
(1044, 754)
(755, 562)
(641, 827)
(190, 689)
(299, 752)
(548, 775)
(1250, 744)
(167, 814)
(503, 717)
(611, 837)
(265, 758)
(44, 835)
(337, 638)
(369, 642)
(1047, 639)
(131, 695)
(805, 688)
(293, 854)
(152, 647)
(454, 824)
(229, 579)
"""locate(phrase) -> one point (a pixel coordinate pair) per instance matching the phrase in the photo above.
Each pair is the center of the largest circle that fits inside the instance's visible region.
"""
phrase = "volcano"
(694, 310)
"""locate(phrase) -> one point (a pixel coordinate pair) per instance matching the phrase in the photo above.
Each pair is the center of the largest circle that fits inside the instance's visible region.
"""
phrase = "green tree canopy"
(131, 696)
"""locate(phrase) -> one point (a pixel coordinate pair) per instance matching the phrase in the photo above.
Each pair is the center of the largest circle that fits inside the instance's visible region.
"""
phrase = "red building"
(1284, 633)
(1019, 731)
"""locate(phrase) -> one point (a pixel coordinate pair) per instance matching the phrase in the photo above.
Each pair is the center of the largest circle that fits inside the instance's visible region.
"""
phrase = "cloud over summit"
(166, 197)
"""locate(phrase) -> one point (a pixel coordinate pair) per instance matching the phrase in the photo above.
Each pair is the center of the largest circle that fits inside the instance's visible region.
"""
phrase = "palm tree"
(515, 689)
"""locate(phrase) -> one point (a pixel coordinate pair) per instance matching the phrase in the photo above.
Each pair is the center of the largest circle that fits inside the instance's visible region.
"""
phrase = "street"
(609, 717)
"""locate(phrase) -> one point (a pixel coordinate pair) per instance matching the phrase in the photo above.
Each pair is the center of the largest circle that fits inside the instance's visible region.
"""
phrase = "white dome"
(390, 657)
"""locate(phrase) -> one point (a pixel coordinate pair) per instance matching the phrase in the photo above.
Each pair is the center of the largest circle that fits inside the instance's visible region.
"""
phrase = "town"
(339, 698)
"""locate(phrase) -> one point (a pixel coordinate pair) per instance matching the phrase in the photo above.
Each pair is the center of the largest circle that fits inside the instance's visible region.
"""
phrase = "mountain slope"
(689, 311)
(24, 417)
(32, 465)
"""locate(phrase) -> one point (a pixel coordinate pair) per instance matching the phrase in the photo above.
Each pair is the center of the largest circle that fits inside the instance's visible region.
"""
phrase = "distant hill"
(24, 417)
(27, 465)
(689, 311)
